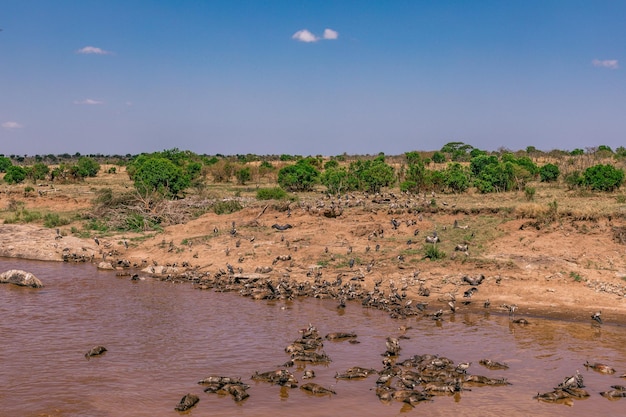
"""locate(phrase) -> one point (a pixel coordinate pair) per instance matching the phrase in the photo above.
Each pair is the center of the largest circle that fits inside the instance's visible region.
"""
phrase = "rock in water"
(21, 278)
(187, 402)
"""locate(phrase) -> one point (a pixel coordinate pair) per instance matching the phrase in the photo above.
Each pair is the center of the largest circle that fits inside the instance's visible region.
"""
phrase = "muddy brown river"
(162, 338)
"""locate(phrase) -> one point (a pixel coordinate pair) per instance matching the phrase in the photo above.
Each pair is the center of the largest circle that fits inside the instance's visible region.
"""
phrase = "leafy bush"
(529, 192)
(458, 151)
(299, 177)
(22, 215)
(439, 157)
(414, 178)
(4, 163)
(138, 222)
(54, 220)
(243, 175)
(332, 164)
(227, 207)
(603, 177)
(549, 173)
(372, 175)
(574, 179)
(97, 225)
(338, 180)
(39, 171)
(433, 252)
(266, 165)
(275, 193)
(14, 174)
(87, 167)
(159, 175)
(456, 178)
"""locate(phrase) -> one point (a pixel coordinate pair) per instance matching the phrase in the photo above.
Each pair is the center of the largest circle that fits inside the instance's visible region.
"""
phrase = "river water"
(163, 337)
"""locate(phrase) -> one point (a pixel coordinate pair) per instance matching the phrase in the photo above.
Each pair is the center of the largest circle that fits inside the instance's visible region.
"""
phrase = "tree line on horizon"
(452, 169)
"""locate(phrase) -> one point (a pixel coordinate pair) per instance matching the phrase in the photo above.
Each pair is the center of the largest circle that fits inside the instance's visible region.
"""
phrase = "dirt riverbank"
(566, 268)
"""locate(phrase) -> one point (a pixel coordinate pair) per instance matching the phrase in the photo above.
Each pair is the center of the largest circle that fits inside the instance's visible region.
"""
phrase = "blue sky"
(310, 77)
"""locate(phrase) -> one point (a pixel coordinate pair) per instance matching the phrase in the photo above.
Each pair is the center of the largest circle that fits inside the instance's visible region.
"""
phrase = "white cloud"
(330, 34)
(92, 50)
(12, 125)
(606, 63)
(88, 101)
(304, 36)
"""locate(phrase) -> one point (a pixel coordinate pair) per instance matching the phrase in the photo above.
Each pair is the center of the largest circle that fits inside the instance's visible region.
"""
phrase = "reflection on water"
(162, 338)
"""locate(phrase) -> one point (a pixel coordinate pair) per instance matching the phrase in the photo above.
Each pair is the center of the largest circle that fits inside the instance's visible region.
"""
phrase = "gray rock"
(105, 265)
(21, 278)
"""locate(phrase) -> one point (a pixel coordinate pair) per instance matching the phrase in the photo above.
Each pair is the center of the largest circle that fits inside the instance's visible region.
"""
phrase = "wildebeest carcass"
(314, 388)
(355, 372)
(95, 351)
(187, 402)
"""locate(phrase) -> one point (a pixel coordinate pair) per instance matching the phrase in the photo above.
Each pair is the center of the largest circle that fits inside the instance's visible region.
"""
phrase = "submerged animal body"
(355, 372)
(312, 357)
(340, 336)
(553, 396)
(279, 377)
(600, 367)
(95, 351)
(314, 388)
(489, 364)
(613, 394)
(187, 402)
(483, 380)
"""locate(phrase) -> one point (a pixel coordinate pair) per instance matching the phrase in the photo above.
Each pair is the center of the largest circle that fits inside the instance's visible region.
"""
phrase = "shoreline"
(551, 273)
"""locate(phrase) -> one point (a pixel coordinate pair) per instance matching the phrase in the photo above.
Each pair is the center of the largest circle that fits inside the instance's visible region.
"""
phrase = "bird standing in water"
(597, 316)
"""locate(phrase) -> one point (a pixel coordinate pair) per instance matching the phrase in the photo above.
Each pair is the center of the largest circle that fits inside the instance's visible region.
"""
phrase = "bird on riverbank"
(597, 316)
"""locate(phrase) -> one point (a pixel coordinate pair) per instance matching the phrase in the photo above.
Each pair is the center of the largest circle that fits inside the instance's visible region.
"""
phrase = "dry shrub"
(531, 211)
(132, 211)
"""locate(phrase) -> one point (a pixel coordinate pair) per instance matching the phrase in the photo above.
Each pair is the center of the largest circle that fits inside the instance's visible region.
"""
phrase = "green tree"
(301, 176)
(338, 180)
(39, 171)
(243, 175)
(414, 178)
(160, 175)
(458, 151)
(372, 175)
(87, 167)
(456, 178)
(549, 173)
(603, 177)
(14, 174)
(4, 163)
(439, 157)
